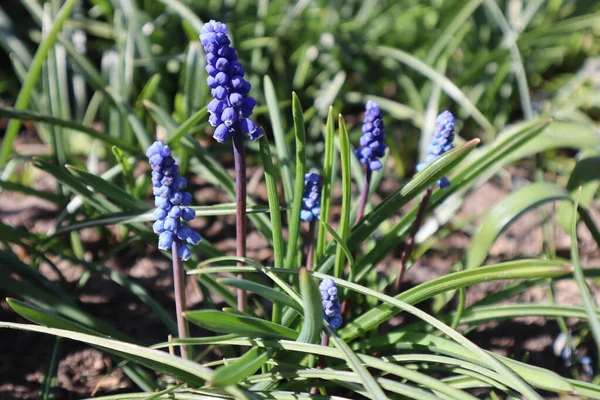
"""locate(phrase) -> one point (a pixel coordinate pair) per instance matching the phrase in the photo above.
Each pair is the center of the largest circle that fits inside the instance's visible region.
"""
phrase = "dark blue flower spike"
(171, 202)
(441, 142)
(231, 107)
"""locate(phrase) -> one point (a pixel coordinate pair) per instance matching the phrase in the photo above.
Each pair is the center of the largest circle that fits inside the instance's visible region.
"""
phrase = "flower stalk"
(180, 302)
(441, 142)
(171, 213)
(411, 237)
(230, 112)
(364, 195)
(239, 158)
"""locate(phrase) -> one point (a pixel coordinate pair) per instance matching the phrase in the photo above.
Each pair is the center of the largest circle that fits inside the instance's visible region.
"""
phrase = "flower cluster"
(331, 303)
(441, 142)
(231, 107)
(172, 204)
(372, 141)
(311, 200)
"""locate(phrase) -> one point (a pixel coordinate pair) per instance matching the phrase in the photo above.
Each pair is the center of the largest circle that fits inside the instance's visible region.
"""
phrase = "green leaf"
(28, 190)
(75, 185)
(420, 182)
(50, 378)
(355, 363)
(242, 368)
(509, 376)
(312, 326)
(221, 322)
(42, 317)
(586, 296)
(346, 197)
(195, 89)
(521, 269)
(481, 163)
(274, 208)
(187, 126)
(383, 365)
(585, 174)
(160, 116)
(187, 371)
(262, 290)
(417, 341)
(504, 213)
(327, 183)
(281, 145)
(145, 215)
(33, 74)
(185, 13)
(339, 242)
(113, 192)
(446, 84)
(294, 213)
(48, 119)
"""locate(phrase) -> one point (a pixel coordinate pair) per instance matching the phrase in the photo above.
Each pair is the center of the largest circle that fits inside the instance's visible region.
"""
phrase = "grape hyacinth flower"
(230, 112)
(372, 141)
(331, 304)
(231, 107)
(171, 202)
(440, 143)
(311, 200)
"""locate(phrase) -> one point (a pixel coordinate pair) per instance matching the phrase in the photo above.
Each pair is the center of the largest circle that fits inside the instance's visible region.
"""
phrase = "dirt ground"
(83, 370)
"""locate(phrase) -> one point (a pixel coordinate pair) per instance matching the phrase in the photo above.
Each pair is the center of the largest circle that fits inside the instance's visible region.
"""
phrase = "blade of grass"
(346, 200)
(327, 184)
(33, 75)
(447, 86)
(283, 153)
(584, 291)
(294, 213)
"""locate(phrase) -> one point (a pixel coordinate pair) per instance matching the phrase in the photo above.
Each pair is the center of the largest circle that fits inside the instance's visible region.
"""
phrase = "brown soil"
(84, 370)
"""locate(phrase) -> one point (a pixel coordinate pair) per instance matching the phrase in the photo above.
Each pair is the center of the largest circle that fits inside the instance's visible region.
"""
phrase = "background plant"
(100, 81)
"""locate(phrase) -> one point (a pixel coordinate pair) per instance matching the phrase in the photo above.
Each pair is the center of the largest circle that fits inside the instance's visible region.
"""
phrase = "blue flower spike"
(231, 107)
(331, 303)
(372, 141)
(311, 200)
(172, 204)
(440, 143)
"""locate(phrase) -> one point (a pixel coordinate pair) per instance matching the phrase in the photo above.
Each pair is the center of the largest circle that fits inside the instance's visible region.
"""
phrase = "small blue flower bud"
(186, 199)
(179, 184)
(236, 99)
(162, 202)
(188, 214)
(165, 240)
(222, 64)
(175, 212)
(215, 106)
(183, 251)
(158, 226)
(221, 134)
(159, 213)
(171, 224)
(194, 238)
(183, 232)
(221, 79)
(229, 116)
